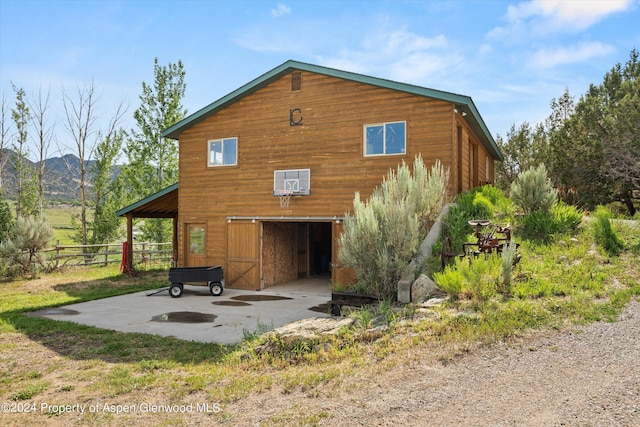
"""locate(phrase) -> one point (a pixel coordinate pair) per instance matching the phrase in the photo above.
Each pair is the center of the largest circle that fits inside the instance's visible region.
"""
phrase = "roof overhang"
(461, 102)
(163, 204)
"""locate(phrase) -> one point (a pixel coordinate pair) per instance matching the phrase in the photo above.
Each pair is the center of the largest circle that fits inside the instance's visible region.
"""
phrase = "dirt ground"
(583, 377)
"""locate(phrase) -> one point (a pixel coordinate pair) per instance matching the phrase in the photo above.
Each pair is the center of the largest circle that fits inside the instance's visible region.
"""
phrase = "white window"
(385, 139)
(223, 152)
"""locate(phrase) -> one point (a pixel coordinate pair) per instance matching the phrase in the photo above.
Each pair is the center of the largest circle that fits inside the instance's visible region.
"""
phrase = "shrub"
(494, 194)
(475, 205)
(470, 205)
(604, 233)
(537, 226)
(30, 236)
(450, 281)
(482, 207)
(507, 258)
(457, 227)
(533, 191)
(384, 233)
(543, 226)
(475, 277)
(567, 218)
(481, 274)
(500, 202)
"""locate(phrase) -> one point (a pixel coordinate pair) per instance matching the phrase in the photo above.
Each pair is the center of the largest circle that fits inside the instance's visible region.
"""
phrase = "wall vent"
(296, 81)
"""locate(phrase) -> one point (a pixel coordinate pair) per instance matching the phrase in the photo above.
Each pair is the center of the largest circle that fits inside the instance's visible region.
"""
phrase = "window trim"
(221, 140)
(384, 139)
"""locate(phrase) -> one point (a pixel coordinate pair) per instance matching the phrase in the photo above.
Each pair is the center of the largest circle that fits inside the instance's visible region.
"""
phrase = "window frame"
(221, 141)
(384, 138)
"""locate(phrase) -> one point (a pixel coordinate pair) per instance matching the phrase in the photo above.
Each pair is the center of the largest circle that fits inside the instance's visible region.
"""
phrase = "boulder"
(423, 289)
(312, 328)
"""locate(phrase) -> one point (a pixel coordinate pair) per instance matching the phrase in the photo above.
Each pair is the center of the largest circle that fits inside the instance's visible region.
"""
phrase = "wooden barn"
(268, 171)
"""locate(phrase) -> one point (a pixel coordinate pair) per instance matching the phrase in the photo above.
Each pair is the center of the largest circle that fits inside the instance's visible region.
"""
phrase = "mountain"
(61, 176)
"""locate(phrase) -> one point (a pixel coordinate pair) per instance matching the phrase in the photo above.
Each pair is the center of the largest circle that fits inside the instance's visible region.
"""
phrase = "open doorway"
(295, 250)
(320, 249)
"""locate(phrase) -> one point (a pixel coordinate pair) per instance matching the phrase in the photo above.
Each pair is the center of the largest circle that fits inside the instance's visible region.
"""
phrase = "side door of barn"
(195, 244)
(243, 255)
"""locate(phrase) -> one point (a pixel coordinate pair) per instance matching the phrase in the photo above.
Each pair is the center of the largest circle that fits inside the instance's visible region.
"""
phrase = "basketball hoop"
(285, 197)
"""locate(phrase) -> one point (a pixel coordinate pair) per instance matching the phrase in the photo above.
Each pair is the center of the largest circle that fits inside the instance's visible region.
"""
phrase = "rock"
(424, 289)
(433, 302)
(310, 329)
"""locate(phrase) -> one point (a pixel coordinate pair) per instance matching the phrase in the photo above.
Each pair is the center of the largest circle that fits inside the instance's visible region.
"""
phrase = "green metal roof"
(162, 204)
(464, 104)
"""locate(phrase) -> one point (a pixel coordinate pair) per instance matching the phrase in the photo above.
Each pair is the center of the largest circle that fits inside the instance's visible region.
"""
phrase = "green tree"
(619, 131)
(524, 147)
(5, 126)
(6, 218)
(152, 159)
(27, 197)
(596, 150)
(107, 189)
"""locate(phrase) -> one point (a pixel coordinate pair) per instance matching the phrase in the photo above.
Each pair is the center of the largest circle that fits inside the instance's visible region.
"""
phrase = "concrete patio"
(198, 316)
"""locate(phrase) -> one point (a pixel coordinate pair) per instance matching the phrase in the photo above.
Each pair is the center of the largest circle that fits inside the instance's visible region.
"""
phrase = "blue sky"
(511, 57)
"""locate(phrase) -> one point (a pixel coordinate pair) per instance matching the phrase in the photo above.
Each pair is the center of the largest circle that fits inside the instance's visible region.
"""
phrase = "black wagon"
(212, 276)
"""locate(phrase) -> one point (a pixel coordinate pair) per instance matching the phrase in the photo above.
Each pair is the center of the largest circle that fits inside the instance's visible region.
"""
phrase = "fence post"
(57, 254)
(106, 255)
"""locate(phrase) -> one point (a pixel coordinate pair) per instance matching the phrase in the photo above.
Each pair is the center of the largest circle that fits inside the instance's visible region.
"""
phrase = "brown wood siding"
(329, 143)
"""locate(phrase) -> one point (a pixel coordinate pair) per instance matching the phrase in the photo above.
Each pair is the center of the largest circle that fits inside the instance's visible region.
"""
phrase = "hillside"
(61, 176)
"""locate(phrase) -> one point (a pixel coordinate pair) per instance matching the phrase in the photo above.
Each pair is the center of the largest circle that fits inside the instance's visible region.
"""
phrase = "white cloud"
(562, 14)
(547, 58)
(485, 49)
(280, 10)
(398, 55)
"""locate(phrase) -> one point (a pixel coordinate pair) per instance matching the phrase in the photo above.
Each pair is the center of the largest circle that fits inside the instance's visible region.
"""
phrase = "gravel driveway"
(588, 376)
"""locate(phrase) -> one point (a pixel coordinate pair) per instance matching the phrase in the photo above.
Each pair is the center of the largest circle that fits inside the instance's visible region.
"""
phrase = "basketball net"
(285, 197)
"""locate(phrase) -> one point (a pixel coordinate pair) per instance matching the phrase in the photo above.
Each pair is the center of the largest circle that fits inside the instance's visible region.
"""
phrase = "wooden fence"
(145, 255)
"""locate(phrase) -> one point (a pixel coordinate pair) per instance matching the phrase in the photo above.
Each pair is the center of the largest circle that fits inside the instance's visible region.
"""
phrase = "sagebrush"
(384, 232)
(533, 191)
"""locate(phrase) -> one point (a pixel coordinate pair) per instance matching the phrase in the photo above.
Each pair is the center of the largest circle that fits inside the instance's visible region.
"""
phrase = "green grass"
(64, 220)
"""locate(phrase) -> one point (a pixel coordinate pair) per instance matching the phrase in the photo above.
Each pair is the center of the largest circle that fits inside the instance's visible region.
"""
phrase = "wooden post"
(174, 243)
(57, 254)
(130, 241)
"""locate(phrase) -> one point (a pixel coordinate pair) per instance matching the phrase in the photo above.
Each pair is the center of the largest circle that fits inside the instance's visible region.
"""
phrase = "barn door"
(243, 255)
(339, 273)
(195, 243)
